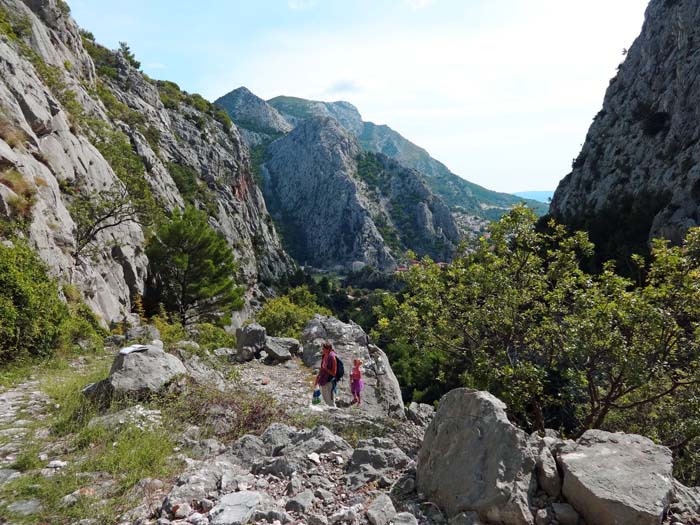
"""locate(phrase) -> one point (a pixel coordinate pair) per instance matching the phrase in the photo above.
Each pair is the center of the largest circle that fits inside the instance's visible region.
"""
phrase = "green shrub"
(31, 313)
(185, 178)
(106, 62)
(287, 315)
(14, 27)
(210, 337)
(118, 110)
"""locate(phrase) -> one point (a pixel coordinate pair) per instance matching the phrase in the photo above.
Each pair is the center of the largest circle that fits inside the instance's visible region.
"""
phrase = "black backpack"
(339, 369)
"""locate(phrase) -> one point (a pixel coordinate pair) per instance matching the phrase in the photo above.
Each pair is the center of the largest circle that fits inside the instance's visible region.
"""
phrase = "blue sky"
(502, 91)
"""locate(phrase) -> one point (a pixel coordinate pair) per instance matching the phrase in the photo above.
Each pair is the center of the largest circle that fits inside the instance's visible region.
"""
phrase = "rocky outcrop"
(474, 459)
(458, 193)
(479, 468)
(258, 121)
(59, 114)
(309, 185)
(637, 175)
(382, 393)
(340, 207)
(617, 478)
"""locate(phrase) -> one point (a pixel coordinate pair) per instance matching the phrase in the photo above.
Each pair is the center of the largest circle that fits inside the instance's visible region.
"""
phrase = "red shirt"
(328, 368)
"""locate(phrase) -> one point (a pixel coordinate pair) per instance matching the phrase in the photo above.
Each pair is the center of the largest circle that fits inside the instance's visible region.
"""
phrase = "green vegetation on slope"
(34, 322)
(192, 268)
(563, 348)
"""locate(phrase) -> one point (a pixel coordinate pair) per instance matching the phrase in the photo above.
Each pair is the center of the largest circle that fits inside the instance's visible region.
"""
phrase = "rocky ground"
(316, 464)
(229, 437)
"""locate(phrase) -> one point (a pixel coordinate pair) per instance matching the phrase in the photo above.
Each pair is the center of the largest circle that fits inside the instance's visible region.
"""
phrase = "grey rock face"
(638, 166)
(253, 113)
(302, 502)
(381, 511)
(420, 413)
(136, 415)
(617, 478)
(138, 374)
(308, 184)
(565, 514)
(379, 453)
(251, 336)
(341, 207)
(319, 440)
(278, 349)
(382, 394)
(237, 508)
(458, 193)
(52, 153)
(404, 518)
(474, 459)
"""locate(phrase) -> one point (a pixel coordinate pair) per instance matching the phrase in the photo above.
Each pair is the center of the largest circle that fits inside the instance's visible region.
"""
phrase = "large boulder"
(617, 478)
(280, 349)
(474, 459)
(382, 394)
(138, 371)
(251, 336)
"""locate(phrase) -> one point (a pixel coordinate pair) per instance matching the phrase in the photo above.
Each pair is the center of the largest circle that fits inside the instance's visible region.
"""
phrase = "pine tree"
(192, 270)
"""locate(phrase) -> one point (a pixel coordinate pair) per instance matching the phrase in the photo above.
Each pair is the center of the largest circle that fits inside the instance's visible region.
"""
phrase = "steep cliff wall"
(637, 176)
(339, 205)
(70, 129)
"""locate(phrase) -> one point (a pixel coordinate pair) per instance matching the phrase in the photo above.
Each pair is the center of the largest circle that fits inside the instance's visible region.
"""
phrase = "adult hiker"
(329, 369)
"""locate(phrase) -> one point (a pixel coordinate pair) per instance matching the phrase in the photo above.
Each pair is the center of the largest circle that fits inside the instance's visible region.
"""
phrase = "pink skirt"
(356, 386)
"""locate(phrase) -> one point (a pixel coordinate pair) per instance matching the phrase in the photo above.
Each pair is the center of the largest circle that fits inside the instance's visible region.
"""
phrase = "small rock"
(314, 457)
(344, 516)
(381, 510)
(565, 514)
(293, 487)
(317, 520)
(26, 507)
(182, 511)
(326, 495)
(404, 518)
(301, 503)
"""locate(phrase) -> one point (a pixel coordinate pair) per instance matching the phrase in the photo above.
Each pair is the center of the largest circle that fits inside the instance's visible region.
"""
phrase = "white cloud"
(298, 5)
(501, 102)
(419, 4)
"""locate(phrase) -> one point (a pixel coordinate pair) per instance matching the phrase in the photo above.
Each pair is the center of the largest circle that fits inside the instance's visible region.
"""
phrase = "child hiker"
(356, 382)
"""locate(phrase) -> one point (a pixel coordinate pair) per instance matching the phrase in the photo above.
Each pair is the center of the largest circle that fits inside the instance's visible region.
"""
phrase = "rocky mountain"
(338, 205)
(80, 124)
(257, 120)
(637, 176)
(458, 193)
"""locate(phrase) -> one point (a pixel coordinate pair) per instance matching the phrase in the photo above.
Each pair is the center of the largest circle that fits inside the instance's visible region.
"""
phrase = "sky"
(501, 91)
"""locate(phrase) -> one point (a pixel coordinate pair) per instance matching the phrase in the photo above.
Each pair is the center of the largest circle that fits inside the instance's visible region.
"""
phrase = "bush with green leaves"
(192, 270)
(287, 315)
(563, 348)
(31, 312)
(34, 322)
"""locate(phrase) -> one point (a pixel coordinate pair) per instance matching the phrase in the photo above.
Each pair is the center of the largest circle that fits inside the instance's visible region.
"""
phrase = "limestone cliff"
(258, 121)
(637, 176)
(459, 194)
(340, 206)
(77, 119)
